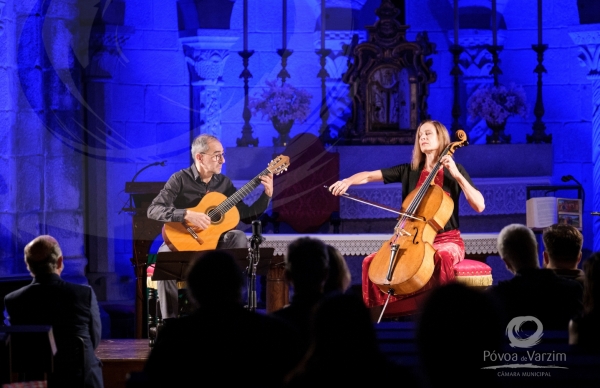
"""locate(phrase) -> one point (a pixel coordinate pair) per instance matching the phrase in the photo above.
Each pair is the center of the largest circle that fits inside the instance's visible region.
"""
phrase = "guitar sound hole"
(215, 216)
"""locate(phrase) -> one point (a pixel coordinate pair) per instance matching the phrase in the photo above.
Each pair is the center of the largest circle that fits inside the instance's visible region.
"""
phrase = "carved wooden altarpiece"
(389, 80)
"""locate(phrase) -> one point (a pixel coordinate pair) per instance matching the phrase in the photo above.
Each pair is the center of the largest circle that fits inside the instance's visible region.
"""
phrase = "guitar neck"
(241, 193)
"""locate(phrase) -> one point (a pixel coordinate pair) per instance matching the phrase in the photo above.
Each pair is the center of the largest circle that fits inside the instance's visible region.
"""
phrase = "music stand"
(173, 265)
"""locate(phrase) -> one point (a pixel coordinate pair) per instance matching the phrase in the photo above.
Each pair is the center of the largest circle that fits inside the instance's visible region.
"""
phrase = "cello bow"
(377, 205)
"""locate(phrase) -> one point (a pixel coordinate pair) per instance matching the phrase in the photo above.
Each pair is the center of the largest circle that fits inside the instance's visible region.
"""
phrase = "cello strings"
(420, 194)
(423, 190)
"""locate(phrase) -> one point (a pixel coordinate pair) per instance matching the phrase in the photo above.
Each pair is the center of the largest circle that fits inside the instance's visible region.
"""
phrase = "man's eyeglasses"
(216, 157)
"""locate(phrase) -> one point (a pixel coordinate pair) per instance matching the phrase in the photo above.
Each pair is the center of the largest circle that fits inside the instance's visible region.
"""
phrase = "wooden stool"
(473, 273)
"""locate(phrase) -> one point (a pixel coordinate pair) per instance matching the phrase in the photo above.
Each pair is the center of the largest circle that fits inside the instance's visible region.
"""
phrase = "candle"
(539, 22)
(245, 25)
(284, 25)
(322, 24)
(494, 19)
(456, 22)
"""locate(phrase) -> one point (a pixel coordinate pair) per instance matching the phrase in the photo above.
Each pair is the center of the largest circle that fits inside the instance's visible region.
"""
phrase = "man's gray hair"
(200, 144)
(517, 243)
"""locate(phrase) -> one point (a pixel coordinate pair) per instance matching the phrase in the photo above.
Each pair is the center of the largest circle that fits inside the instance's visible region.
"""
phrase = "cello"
(404, 263)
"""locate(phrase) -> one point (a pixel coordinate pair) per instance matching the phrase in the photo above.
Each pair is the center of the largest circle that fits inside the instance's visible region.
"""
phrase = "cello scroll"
(462, 137)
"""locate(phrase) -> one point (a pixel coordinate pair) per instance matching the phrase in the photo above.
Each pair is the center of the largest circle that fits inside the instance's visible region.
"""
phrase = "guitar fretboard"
(236, 197)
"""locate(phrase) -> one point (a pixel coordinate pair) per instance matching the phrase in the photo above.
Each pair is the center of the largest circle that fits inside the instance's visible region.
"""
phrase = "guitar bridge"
(194, 234)
(402, 232)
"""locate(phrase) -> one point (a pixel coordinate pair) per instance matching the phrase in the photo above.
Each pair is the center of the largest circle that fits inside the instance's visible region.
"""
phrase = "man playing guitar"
(184, 190)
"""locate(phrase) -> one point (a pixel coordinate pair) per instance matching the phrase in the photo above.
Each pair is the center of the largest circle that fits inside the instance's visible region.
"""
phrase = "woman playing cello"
(430, 141)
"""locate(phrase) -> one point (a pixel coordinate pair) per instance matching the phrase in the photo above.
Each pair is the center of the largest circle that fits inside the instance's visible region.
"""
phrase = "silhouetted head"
(307, 264)
(339, 277)
(43, 256)
(456, 326)
(591, 283)
(517, 247)
(562, 246)
(215, 279)
(342, 323)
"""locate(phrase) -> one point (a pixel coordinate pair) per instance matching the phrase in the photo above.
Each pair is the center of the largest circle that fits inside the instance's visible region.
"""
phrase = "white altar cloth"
(365, 244)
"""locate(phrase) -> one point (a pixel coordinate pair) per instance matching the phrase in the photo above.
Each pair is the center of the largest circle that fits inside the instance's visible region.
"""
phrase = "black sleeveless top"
(402, 173)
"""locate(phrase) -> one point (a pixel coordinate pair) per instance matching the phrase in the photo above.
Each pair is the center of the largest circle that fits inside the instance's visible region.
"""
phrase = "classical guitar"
(222, 211)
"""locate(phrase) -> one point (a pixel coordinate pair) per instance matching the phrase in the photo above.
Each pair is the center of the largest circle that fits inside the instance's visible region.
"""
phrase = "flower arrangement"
(496, 104)
(281, 103)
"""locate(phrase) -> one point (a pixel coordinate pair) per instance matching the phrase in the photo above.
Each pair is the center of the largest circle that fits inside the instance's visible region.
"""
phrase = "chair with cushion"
(473, 273)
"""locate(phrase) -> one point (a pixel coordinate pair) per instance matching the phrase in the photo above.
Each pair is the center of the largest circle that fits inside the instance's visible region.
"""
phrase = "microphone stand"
(253, 259)
(148, 166)
(133, 180)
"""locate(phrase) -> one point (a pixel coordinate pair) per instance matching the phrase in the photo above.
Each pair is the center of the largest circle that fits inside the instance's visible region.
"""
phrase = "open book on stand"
(542, 212)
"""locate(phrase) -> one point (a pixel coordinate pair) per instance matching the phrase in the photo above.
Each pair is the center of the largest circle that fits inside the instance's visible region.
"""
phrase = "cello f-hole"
(416, 234)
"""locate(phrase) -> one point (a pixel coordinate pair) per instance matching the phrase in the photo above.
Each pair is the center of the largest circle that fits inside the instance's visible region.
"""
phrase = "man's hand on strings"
(267, 182)
(198, 221)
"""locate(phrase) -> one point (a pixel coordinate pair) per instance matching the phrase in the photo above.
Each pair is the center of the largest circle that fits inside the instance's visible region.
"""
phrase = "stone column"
(43, 183)
(2, 4)
(206, 56)
(587, 37)
(10, 259)
(104, 56)
(338, 100)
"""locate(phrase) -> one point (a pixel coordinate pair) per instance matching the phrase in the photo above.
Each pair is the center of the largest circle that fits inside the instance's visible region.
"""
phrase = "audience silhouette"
(71, 309)
(339, 277)
(326, 336)
(533, 291)
(457, 324)
(562, 251)
(306, 270)
(221, 342)
(584, 332)
(344, 350)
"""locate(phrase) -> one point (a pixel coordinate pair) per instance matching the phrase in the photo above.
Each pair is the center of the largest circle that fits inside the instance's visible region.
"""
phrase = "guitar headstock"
(279, 164)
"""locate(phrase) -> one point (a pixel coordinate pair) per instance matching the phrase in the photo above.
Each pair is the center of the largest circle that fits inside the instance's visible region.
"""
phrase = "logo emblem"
(513, 331)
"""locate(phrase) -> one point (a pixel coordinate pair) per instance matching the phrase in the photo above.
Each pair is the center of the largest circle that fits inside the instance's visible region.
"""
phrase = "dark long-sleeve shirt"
(185, 189)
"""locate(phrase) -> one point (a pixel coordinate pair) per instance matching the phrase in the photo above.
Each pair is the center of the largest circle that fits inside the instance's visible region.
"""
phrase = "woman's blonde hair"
(418, 157)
